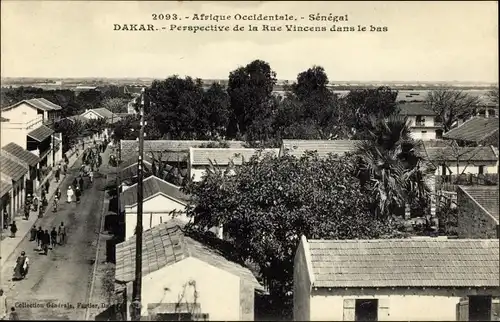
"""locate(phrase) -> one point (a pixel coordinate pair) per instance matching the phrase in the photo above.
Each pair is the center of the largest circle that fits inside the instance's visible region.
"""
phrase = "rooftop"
(41, 133)
(222, 156)
(38, 103)
(426, 262)
(414, 109)
(5, 184)
(322, 147)
(153, 186)
(486, 196)
(105, 113)
(476, 129)
(16, 150)
(168, 243)
(481, 153)
(170, 150)
(12, 167)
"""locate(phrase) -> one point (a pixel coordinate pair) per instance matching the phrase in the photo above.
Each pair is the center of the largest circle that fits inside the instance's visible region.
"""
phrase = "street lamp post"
(136, 303)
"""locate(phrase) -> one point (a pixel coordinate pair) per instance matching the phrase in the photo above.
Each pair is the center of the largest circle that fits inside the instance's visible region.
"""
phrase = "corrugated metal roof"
(5, 185)
(152, 186)
(41, 133)
(427, 262)
(474, 130)
(20, 153)
(322, 147)
(222, 156)
(481, 153)
(167, 244)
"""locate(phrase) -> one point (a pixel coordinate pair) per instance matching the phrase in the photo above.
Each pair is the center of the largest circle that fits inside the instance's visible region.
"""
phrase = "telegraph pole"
(136, 304)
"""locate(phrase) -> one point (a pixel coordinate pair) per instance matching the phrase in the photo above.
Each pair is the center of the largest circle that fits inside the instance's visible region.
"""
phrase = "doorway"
(366, 310)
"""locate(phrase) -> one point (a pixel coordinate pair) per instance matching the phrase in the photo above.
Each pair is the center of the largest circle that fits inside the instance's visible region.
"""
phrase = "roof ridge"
(478, 203)
(424, 238)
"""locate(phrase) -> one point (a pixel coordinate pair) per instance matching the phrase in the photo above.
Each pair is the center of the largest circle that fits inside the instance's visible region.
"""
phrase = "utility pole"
(136, 303)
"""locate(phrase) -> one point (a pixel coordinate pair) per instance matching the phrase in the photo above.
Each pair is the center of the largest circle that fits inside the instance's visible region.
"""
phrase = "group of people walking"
(45, 239)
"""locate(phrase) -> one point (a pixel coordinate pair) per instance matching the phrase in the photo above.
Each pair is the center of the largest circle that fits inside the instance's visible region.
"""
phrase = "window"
(491, 112)
(439, 134)
(482, 113)
(420, 120)
(366, 310)
(481, 169)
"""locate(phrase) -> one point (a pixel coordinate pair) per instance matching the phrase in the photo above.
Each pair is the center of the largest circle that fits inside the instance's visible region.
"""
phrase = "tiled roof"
(132, 162)
(222, 156)
(107, 114)
(128, 169)
(171, 150)
(415, 109)
(20, 153)
(323, 147)
(474, 130)
(5, 184)
(11, 167)
(486, 196)
(77, 118)
(38, 103)
(427, 262)
(167, 244)
(481, 153)
(41, 133)
(151, 187)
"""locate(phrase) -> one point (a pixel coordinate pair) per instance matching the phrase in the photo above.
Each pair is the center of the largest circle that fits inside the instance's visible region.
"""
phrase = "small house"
(424, 123)
(478, 130)
(421, 279)
(162, 201)
(187, 276)
(221, 158)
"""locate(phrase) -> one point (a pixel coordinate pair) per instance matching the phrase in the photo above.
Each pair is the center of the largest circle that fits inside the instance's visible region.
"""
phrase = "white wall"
(218, 291)
(471, 167)
(155, 211)
(418, 135)
(197, 172)
(401, 308)
(22, 113)
(17, 131)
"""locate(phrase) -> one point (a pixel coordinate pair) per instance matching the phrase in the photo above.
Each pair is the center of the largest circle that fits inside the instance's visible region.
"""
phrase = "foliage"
(493, 95)
(115, 105)
(127, 128)
(448, 219)
(95, 126)
(219, 144)
(71, 131)
(265, 206)
(252, 104)
(390, 168)
(451, 105)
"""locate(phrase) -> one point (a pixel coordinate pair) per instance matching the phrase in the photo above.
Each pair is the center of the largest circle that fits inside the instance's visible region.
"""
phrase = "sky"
(424, 41)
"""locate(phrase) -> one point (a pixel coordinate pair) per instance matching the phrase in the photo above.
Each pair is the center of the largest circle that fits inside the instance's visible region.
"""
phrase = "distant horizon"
(147, 78)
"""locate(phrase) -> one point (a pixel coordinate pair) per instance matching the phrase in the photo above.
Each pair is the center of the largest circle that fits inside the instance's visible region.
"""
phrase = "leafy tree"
(220, 144)
(493, 95)
(213, 114)
(252, 103)
(266, 204)
(95, 126)
(89, 99)
(390, 167)
(451, 105)
(126, 129)
(115, 105)
(71, 131)
(359, 106)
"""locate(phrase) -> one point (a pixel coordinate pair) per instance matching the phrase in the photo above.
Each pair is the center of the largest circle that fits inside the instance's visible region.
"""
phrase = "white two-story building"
(424, 123)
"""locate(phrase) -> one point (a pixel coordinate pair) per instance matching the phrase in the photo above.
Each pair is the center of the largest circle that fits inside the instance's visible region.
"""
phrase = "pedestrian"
(58, 173)
(35, 203)
(53, 237)
(20, 267)
(46, 242)
(5, 219)
(58, 193)
(33, 233)
(39, 238)
(26, 211)
(47, 186)
(69, 194)
(75, 182)
(3, 306)
(91, 176)
(13, 229)
(80, 182)
(13, 314)
(78, 194)
(66, 167)
(40, 212)
(62, 234)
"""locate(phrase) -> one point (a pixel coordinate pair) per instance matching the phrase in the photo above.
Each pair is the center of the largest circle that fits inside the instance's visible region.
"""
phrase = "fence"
(450, 182)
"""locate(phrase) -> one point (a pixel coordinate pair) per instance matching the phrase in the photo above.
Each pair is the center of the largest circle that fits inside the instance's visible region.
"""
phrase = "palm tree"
(390, 166)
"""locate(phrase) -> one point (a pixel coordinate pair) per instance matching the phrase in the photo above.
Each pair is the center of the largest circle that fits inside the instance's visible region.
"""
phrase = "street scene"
(65, 272)
(249, 161)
